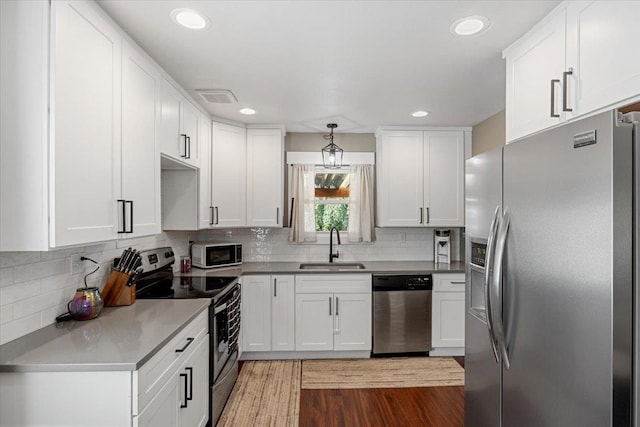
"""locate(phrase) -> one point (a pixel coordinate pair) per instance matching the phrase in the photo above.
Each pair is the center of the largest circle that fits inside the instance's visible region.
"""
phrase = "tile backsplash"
(36, 286)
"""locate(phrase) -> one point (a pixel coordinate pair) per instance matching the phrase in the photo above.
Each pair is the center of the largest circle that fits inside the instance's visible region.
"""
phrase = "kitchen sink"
(333, 266)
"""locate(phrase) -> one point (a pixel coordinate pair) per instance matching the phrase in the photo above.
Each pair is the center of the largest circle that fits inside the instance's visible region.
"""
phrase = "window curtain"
(303, 218)
(361, 220)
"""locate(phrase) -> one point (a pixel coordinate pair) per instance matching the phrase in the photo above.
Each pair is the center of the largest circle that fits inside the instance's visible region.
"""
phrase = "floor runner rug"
(382, 373)
(267, 393)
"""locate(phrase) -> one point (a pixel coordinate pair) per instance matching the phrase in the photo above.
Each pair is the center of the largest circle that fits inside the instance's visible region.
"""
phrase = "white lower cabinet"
(268, 316)
(448, 311)
(333, 312)
(170, 389)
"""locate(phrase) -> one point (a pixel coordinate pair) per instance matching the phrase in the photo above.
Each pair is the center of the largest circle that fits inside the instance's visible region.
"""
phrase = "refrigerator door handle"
(487, 280)
(497, 284)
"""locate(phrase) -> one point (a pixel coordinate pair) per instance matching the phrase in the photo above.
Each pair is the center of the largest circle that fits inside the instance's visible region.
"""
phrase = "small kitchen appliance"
(86, 305)
(210, 255)
(442, 246)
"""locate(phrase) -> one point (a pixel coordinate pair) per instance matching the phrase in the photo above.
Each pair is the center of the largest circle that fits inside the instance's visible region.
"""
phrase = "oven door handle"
(217, 309)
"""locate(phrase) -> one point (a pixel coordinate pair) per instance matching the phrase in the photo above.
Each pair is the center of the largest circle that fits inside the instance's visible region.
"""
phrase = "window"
(332, 199)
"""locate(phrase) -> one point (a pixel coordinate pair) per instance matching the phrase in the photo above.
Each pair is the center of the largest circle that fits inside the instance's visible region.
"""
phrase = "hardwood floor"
(390, 407)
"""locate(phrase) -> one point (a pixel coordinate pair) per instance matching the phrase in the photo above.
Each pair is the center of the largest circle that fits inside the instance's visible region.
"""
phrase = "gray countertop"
(374, 267)
(120, 339)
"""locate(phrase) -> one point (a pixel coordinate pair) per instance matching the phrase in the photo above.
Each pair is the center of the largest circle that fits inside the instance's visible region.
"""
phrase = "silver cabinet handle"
(420, 215)
(497, 284)
(329, 306)
(487, 281)
(275, 287)
(553, 97)
(565, 90)
(337, 306)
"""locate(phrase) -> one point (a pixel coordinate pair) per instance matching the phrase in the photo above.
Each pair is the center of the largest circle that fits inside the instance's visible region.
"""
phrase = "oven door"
(220, 338)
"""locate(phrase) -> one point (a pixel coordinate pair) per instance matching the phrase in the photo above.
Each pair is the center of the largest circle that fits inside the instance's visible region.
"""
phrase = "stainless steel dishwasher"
(401, 314)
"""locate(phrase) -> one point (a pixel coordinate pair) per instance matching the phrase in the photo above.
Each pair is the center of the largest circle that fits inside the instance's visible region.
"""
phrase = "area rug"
(267, 393)
(382, 373)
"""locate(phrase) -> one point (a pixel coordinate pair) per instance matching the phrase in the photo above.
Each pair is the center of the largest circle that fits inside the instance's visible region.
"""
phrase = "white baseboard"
(288, 355)
(447, 351)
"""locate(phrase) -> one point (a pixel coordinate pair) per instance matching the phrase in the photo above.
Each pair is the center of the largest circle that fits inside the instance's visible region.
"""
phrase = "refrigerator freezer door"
(483, 190)
(561, 293)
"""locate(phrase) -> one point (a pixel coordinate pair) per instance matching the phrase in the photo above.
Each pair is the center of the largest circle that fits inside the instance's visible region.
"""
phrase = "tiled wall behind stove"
(36, 286)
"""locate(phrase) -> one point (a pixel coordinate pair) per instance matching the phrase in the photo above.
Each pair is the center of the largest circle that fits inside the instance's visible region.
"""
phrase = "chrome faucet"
(331, 254)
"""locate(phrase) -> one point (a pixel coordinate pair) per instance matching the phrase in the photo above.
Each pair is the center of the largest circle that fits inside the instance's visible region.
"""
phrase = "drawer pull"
(189, 341)
(190, 396)
(457, 283)
(185, 404)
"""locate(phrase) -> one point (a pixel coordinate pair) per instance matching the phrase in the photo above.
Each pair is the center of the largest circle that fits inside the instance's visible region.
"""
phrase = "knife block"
(116, 292)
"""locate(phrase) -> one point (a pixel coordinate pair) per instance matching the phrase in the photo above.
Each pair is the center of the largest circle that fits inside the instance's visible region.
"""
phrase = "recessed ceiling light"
(190, 18)
(248, 111)
(470, 25)
(419, 113)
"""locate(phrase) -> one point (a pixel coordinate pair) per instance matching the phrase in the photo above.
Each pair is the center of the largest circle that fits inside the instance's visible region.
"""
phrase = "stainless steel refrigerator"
(551, 257)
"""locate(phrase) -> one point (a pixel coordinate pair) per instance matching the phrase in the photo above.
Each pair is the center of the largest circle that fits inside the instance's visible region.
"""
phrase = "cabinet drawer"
(332, 283)
(448, 282)
(164, 364)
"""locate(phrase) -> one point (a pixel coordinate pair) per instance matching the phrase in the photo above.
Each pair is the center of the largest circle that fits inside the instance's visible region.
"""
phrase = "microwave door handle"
(219, 308)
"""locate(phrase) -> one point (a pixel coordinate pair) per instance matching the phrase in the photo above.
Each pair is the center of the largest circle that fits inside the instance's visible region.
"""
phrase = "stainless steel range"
(158, 281)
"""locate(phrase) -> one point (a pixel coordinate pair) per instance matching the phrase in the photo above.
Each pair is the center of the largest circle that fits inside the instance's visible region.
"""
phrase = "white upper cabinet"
(265, 177)
(572, 63)
(444, 179)
(420, 178)
(86, 132)
(247, 178)
(228, 175)
(205, 214)
(599, 47)
(534, 79)
(179, 129)
(140, 156)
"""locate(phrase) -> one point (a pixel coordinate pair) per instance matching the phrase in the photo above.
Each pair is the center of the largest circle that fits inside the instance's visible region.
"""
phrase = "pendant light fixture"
(331, 153)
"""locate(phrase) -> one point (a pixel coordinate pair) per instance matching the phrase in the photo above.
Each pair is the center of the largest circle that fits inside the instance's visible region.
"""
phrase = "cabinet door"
(163, 409)
(283, 313)
(531, 67)
(400, 179)
(444, 179)
(256, 313)
(195, 373)
(86, 134)
(171, 141)
(353, 321)
(140, 156)
(314, 322)
(190, 127)
(205, 216)
(448, 319)
(605, 70)
(265, 170)
(228, 177)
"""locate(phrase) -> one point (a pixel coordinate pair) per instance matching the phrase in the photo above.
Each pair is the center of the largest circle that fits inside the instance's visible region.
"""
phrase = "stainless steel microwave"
(210, 255)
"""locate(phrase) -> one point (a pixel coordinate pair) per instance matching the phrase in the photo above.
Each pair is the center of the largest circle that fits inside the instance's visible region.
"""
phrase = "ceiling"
(360, 64)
